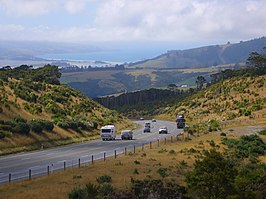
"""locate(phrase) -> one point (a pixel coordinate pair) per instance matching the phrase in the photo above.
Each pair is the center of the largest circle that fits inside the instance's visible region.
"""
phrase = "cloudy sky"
(132, 20)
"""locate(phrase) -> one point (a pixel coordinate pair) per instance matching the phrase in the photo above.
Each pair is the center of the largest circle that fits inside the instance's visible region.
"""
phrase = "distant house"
(183, 86)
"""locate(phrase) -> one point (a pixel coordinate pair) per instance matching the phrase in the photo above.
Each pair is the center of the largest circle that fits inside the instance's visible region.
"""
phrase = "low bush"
(40, 125)
(21, 128)
(247, 146)
(162, 172)
(222, 134)
(263, 132)
(104, 179)
(2, 134)
(147, 188)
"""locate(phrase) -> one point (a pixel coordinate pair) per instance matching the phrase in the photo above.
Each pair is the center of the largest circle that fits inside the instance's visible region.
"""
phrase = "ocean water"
(111, 56)
(122, 52)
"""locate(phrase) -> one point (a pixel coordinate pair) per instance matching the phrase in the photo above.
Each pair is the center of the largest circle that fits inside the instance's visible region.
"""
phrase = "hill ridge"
(205, 56)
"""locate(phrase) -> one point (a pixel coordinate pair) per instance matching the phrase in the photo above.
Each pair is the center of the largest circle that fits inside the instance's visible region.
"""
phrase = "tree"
(213, 177)
(200, 81)
(258, 61)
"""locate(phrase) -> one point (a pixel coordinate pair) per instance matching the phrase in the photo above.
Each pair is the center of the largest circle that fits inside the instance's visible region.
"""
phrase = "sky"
(211, 21)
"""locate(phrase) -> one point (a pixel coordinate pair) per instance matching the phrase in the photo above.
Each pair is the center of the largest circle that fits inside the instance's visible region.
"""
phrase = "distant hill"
(205, 56)
(36, 111)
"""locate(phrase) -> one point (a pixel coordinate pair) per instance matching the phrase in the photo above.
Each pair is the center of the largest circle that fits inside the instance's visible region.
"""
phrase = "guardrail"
(35, 172)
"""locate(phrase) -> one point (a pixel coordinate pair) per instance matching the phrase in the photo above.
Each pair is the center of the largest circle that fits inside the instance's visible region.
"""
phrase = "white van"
(108, 132)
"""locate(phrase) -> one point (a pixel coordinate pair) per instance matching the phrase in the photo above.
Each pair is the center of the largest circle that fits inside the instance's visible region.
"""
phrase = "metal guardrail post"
(134, 149)
(104, 156)
(164, 140)
(9, 177)
(91, 159)
(150, 145)
(171, 139)
(79, 162)
(125, 150)
(48, 170)
(158, 142)
(29, 174)
(64, 165)
(142, 147)
(115, 154)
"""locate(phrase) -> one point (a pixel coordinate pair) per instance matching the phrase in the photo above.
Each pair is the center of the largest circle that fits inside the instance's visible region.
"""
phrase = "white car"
(163, 129)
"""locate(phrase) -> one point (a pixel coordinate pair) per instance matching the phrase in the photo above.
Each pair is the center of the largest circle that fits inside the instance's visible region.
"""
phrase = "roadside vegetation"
(203, 166)
(36, 111)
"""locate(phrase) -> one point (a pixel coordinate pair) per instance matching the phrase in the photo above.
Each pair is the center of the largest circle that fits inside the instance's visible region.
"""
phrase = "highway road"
(18, 165)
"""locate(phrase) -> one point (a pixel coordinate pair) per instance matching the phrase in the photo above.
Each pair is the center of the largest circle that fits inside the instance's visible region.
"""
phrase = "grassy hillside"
(239, 98)
(205, 56)
(102, 83)
(36, 111)
(212, 163)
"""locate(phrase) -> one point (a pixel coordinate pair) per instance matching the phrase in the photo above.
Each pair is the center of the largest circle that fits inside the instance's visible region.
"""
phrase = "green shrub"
(162, 172)
(212, 177)
(91, 190)
(263, 132)
(105, 189)
(2, 134)
(104, 179)
(18, 119)
(77, 193)
(172, 152)
(21, 128)
(246, 146)
(39, 125)
(36, 126)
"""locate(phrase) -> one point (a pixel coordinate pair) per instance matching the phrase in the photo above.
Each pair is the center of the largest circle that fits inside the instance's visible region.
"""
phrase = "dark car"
(127, 134)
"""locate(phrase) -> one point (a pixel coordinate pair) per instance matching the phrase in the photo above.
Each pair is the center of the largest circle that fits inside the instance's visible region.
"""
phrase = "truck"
(147, 127)
(180, 122)
(108, 132)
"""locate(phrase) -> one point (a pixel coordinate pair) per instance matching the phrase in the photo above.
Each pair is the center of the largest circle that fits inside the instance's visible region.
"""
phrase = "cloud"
(131, 20)
(182, 19)
(21, 8)
(75, 6)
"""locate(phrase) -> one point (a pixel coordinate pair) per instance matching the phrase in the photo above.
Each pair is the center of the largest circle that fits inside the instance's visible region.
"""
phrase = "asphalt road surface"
(17, 166)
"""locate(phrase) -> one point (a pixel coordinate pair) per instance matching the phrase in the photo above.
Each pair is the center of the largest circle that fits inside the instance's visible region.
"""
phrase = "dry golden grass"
(59, 184)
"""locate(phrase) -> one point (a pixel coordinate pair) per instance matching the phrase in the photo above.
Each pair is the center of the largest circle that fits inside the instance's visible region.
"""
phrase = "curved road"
(19, 165)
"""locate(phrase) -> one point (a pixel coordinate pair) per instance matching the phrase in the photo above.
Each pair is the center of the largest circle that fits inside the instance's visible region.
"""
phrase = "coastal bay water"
(109, 56)
(119, 52)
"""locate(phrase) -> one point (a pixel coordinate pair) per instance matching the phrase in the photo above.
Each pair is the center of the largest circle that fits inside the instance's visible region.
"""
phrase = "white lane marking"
(49, 154)
(25, 158)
